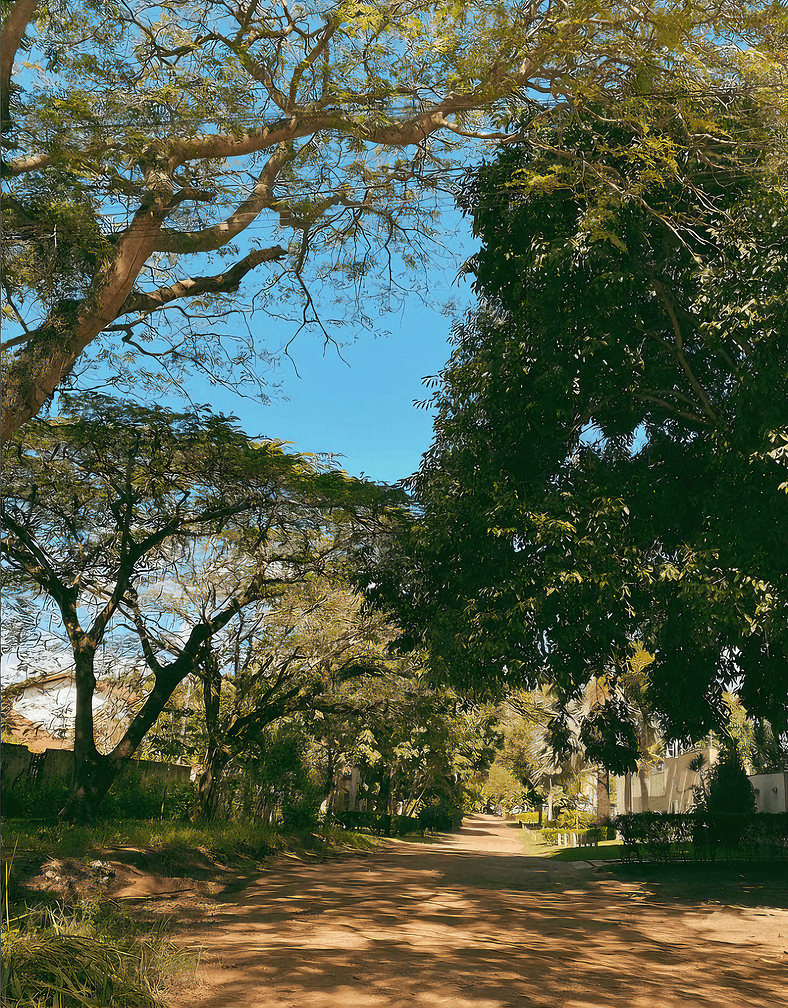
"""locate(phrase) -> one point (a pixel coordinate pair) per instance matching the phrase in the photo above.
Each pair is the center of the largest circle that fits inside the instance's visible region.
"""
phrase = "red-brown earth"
(472, 921)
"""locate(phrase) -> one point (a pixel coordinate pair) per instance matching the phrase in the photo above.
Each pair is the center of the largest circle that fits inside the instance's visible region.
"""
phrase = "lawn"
(605, 850)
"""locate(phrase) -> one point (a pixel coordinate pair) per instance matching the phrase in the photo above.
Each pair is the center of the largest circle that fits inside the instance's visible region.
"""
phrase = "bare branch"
(223, 283)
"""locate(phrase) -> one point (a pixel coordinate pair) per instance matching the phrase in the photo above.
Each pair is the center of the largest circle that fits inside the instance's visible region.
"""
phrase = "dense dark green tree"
(727, 789)
(609, 463)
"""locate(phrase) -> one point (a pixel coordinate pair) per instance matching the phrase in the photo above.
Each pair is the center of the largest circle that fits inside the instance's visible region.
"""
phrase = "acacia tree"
(158, 156)
(101, 507)
(609, 459)
(282, 656)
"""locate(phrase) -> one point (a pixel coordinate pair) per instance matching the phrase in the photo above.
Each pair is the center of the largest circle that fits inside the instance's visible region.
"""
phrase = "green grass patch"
(84, 957)
(222, 840)
(605, 850)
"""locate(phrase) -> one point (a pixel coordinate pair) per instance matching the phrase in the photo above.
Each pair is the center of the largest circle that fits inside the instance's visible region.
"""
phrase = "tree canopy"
(102, 508)
(609, 464)
(157, 157)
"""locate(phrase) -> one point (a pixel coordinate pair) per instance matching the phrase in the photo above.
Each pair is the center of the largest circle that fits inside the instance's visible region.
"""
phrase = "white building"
(673, 784)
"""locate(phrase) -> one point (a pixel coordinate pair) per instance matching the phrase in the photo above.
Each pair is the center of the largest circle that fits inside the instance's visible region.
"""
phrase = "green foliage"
(566, 820)
(608, 469)
(501, 788)
(136, 135)
(245, 839)
(585, 837)
(704, 836)
(139, 796)
(726, 787)
(41, 801)
(128, 496)
(133, 795)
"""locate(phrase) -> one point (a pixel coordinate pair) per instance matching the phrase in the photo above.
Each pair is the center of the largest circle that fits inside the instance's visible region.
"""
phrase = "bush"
(704, 836)
(33, 800)
(575, 820)
(133, 795)
(727, 788)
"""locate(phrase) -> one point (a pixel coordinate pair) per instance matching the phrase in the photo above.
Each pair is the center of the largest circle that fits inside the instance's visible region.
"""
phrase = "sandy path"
(471, 922)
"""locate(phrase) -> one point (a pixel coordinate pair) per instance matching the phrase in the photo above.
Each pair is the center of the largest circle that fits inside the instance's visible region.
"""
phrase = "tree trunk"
(209, 789)
(217, 757)
(643, 777)
(93, 773)
(384, 800)
(93, 776)
(602, 795)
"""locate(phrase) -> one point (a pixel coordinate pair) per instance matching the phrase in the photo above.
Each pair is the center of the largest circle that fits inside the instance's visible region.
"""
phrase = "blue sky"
(361, 407)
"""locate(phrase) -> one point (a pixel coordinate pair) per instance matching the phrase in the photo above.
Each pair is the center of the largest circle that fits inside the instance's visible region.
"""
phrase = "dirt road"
(472, 922)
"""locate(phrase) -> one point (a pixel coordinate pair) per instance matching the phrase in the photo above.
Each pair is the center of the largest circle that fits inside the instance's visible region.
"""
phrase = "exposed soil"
(470, 921)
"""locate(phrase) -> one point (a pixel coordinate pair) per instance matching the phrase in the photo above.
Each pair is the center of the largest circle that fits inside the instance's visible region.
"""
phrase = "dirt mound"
(127, 873)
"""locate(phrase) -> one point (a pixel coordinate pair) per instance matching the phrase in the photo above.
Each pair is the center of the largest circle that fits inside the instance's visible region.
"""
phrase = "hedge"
(702, 836)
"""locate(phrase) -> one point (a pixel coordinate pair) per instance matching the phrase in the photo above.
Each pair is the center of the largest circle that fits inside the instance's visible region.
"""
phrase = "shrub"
(575, 820)
(35, 800)
(135, 795)
(704, 836)
(727, 789)
(592, 835)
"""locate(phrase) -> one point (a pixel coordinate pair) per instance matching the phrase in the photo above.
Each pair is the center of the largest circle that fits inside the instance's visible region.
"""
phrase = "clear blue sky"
(362, 409)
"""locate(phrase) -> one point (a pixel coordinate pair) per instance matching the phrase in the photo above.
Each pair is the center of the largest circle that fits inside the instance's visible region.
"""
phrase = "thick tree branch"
(17, 19)
(223, 283)
(220, 234)
(53, 350)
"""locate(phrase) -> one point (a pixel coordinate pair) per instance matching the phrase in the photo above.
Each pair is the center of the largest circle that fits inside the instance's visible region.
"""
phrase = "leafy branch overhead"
(608, 470)
(156, 159)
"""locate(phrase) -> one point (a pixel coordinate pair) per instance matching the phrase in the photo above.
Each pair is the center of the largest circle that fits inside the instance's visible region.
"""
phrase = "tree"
(411, 741)
(727, 789)
(160, 156)
(609, 456)
(103, 505)
(281, 657)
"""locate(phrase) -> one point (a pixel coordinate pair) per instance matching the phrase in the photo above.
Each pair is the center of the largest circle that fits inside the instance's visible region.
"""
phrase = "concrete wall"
(770, 790)
(15, 763)
(670, 788)
(57, 764)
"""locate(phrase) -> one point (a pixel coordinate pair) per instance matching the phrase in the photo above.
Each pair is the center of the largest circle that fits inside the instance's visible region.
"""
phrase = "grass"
(94, 956)
(217, 839)
(84, 957)
(605, 850)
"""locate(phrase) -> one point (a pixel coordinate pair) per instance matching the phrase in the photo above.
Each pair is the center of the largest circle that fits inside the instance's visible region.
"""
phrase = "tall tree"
(102, 505)
(609, 463)
(157, 157)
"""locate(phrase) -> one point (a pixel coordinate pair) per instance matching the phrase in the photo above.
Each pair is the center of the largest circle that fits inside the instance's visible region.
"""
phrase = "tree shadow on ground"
(736, 883)
(473, 929)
